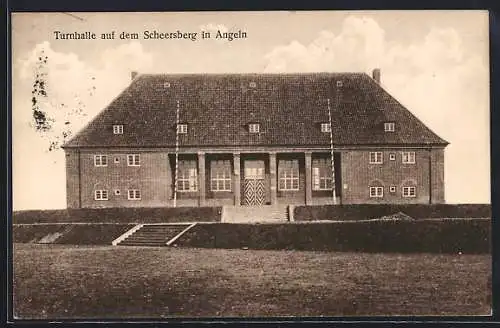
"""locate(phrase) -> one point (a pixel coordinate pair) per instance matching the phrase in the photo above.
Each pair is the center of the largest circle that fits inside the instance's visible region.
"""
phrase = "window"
(288, 172)
(100, 194)
(325, 127)
(376, 192)
(220, 175)
(322, 174)
(117, 192)
(254, 128)
(389, 126)
(187, 176)
(182, 128)
(100, 160)
(117, 160)
(340, 83)
(376, 157)
(117, 129)
(392, 157)
(392, 189)
(253, 84)
(409, 191)
(408, 157)
(166, 85)
(133, 160)
(134, 194)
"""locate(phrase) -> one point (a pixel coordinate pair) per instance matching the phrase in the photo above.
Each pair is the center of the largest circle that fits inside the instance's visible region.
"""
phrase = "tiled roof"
(219, 107)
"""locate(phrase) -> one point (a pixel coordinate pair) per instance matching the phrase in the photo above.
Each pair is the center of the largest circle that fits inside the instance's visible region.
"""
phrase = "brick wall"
(358, 174)
(152, 177)
(72, 178)
(437, 176)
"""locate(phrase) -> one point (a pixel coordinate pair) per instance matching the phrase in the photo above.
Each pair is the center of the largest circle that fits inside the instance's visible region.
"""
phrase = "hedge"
(119, 215)
(75, 234)
(429, 236)
(371, 211)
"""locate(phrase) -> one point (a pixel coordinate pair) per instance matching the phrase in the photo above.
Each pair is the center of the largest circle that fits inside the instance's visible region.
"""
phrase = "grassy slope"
(68, 282)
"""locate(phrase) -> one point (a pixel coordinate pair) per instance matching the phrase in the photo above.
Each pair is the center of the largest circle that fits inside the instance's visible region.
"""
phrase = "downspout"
(79, 179)
(430, 175)
(331, 152)
(176, 153)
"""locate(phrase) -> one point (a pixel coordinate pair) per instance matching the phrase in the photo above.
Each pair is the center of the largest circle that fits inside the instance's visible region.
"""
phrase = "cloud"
(442, 85)
(71, 84)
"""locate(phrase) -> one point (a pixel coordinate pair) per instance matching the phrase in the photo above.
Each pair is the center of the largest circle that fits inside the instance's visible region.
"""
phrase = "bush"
(372, 211)
(75, 234)
(119, 215)
(432, 236)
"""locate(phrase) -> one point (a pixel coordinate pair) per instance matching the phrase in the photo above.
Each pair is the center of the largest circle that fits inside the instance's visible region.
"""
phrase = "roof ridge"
(253, 74)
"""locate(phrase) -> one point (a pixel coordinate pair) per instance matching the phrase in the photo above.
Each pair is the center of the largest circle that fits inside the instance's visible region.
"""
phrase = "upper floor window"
(100, 194)
(410, 191)
(187, 176)
(182, 128)
(288, 174)
(408, 157)
(389, 126)
(376, 157)
(134, 194)
(326, 127)
(340, 83)
(253, 84)
(254, 128)
(100, 160)
(220, 175)
(322, 174)
(117, 129)
(376, 192)
(133, 160)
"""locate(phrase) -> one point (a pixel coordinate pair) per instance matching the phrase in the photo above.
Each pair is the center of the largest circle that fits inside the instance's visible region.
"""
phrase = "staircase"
(155, 235)
(254, 214)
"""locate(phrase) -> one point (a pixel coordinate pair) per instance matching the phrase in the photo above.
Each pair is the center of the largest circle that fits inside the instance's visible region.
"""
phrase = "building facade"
(254, 139)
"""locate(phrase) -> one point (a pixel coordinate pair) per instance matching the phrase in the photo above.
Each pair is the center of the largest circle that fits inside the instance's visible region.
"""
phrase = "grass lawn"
(59, 281)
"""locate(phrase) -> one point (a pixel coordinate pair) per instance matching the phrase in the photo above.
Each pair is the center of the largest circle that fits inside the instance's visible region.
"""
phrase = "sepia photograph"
(250, 164)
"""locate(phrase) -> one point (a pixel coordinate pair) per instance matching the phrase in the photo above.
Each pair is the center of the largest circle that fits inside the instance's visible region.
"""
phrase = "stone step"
(265, 213)
(153, 235)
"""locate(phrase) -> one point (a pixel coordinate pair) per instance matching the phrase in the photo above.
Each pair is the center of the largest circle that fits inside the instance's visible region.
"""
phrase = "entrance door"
(254, 184)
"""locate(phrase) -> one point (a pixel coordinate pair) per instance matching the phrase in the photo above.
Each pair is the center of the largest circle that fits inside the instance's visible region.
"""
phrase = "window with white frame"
(117, 129)
(220, 175)
(389, 126)
(408, 157)
(325, 127)
(100, 160)
(133, 160)
(187, 180)
(392, 189)
(134, 194)
(322, 174)
(182, 128)
(254, 128)
(376, 192)
(288, 175)
(101, 194)
(410, 191)
(340, 83)
(376, 157)
(392, 157)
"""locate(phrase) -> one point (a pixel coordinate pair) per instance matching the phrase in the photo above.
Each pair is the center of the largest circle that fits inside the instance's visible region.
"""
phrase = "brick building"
(254, 139)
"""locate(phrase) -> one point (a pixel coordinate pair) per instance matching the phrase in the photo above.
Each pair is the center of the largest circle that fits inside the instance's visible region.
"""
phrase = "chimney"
(133, 74)
(376, 75)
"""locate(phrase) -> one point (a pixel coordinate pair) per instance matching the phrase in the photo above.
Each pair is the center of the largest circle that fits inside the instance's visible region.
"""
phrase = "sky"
(436, 63)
